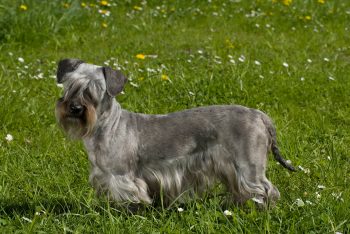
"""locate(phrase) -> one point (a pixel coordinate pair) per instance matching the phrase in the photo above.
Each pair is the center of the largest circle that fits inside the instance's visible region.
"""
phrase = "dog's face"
(88, 92)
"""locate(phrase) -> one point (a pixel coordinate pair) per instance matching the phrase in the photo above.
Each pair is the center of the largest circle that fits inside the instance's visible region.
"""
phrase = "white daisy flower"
(300, 202)
(305, 170)
(133, 84)
(308, 202)
(9, 137)
(40, 75)
(241, 58)
(257, 63)
(258, 200)
(227, 213)
(318, 196)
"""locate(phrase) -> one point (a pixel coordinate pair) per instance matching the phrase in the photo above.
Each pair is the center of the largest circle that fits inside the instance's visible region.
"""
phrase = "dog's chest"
(114, 158)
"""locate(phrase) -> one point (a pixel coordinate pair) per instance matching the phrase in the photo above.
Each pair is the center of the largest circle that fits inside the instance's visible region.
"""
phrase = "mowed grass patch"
(289, 59)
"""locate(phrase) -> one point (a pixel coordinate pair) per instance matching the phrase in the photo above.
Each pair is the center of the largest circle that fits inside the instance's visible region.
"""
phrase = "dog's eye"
(88, 96)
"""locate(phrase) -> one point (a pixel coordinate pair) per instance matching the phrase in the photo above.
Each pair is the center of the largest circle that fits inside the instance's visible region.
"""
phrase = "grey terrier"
(138, 158)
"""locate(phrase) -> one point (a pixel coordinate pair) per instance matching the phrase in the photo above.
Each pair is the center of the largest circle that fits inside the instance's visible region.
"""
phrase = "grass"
(291, 61)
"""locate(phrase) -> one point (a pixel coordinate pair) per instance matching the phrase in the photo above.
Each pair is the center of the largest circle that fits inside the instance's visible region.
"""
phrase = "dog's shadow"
(62, 206)
(58, 206)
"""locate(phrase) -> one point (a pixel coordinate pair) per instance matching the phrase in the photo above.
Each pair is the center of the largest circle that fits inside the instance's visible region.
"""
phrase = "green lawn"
(290, 59)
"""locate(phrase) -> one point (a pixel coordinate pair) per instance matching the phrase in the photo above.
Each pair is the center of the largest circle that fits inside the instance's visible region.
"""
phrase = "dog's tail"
(275, 151)
(279, 158)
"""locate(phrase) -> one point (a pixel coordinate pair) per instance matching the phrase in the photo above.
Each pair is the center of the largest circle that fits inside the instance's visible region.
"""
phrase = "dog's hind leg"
(252, 181)
(240, 184)
(244, 185)
(244, 175)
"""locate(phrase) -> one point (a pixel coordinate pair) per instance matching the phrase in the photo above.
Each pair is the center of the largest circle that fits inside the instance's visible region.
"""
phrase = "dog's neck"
(103, 127)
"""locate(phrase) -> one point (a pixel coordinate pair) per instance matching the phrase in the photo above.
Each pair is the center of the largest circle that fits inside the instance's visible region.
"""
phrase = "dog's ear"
(115, 81)
(65, 66)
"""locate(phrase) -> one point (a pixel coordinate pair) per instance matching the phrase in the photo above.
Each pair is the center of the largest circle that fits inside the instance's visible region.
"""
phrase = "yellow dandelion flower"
(164, 77)
(307, 17)
(137, 8)
(104, 25)
(23, 7)
(140, 56)
(83, 4)
(65, 5)
(321, 1)
(104, 3)
(287, 2)
(141, 78)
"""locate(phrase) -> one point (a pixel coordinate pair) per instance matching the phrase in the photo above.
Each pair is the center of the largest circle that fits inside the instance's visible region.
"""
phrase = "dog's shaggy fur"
(137, 157)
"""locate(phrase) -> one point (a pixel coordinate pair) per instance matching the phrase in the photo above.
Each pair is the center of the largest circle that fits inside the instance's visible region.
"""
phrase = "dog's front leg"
(120, 187)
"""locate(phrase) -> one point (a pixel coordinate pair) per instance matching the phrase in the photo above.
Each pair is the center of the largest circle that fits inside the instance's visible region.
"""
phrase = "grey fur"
(65, 66)
(137, 157)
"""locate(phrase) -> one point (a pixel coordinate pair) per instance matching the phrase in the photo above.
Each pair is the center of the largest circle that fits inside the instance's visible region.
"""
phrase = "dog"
(138, 158)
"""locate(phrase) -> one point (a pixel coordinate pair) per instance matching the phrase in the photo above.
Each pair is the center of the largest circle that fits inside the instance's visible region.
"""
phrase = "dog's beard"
(76, 127)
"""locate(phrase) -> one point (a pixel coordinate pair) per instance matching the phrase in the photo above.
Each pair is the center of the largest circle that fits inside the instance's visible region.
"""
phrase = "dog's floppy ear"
(115, 81)
(65, 66)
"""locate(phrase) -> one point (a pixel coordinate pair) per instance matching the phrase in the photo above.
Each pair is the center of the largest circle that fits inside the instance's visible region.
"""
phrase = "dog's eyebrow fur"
(65, 66)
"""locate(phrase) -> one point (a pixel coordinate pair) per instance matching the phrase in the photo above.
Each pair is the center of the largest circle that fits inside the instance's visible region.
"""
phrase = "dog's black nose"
(76, 109)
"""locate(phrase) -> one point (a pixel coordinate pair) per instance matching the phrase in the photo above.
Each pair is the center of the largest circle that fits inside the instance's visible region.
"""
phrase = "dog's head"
(88, 92)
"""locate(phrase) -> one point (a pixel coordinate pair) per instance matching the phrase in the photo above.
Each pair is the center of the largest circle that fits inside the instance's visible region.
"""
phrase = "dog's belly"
(181, 174)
